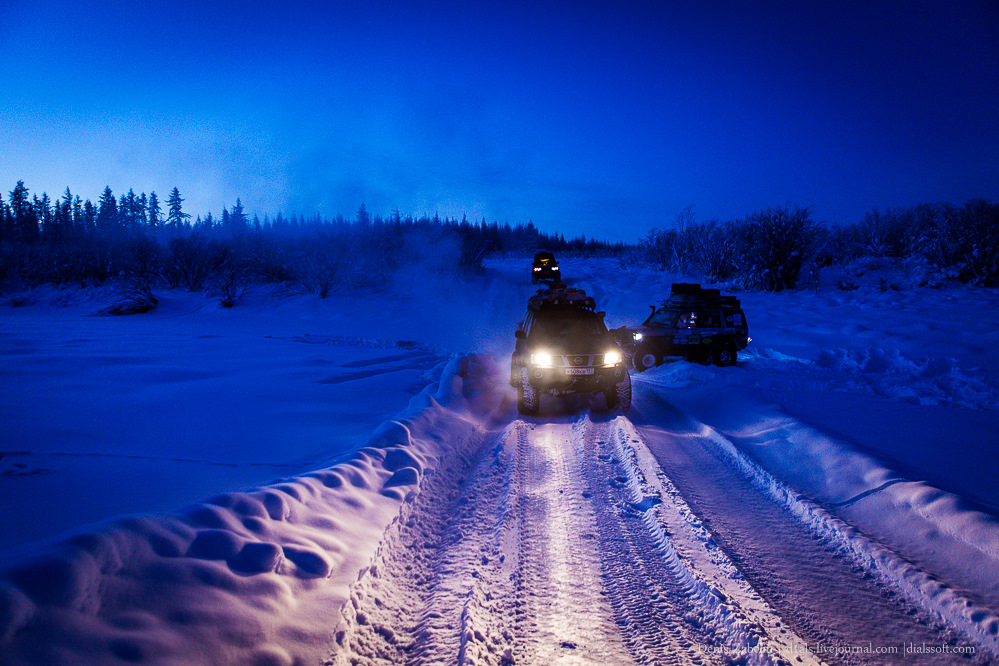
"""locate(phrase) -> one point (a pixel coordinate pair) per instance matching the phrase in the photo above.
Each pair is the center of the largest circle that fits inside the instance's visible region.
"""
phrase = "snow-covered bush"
(975, 232)
(677, 249)
(720, 254)
(888, 234)
(779, 242)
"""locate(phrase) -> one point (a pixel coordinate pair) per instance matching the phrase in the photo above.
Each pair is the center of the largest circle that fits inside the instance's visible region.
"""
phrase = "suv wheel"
(515, 372)
(527, 396)
(725, 355)
(645, 358)
(619, 395)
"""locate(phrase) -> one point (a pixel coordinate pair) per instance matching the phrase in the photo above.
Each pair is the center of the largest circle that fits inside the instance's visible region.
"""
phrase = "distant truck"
(563, 346)
(693, 323)
(545, 267)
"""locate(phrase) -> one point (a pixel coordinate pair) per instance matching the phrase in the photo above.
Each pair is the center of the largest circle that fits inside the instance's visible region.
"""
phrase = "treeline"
(138, 239)
(778, 248)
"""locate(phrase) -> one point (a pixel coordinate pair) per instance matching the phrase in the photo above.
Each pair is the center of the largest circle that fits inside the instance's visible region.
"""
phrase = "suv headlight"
(637, 336)
(612, 358)
(542, 359)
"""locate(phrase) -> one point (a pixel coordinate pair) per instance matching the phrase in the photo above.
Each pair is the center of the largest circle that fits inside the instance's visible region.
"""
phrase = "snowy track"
(561, 542)
(590, 540)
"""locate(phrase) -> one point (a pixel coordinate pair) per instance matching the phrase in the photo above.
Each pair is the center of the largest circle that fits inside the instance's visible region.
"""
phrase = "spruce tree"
(6, 221)
(153, 211)
(24, 219)
(107, 213)
(237, 220)
(176, 217)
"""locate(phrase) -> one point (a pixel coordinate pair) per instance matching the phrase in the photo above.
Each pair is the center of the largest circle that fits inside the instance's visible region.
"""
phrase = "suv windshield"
(557, 325)
(543, 258)
(663, 317)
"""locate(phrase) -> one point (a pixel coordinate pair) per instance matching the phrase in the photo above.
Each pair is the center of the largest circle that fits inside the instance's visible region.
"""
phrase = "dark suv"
(693, 323)
(545, 267)
(564, 347)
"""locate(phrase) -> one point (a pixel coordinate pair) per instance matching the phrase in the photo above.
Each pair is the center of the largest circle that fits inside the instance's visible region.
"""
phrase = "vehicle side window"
(708, 320)
(686, 320)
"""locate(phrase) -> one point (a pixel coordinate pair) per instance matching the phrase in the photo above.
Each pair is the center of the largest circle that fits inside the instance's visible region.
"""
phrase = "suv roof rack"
(686, 294)
(559, 294)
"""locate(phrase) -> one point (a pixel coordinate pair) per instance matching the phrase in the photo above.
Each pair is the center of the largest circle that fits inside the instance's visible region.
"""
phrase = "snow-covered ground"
(346, 479)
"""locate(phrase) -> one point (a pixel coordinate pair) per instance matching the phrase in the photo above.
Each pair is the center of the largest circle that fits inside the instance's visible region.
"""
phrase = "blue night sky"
(605, 119)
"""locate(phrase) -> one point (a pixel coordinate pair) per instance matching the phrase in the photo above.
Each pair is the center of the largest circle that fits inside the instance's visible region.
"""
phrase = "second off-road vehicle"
(563, 346)
(545, 267)
(694, 323)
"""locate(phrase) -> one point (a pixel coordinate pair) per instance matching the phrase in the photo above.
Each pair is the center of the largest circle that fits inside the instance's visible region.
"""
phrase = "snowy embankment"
(245, 577)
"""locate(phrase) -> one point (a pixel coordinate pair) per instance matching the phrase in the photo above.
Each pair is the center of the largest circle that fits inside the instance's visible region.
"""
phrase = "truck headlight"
(542, 359)
(612, 358)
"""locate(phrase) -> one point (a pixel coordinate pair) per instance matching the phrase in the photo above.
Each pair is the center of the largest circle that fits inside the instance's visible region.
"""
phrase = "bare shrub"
(192, 260)
(134, 296)
(888, 234)
(975, 232)
(779, 241)
(675, 249)
(232, 278)
(720, 255)
(316, 268)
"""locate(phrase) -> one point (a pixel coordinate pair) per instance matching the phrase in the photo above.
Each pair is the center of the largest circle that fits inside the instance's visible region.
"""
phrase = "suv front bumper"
(571, 379)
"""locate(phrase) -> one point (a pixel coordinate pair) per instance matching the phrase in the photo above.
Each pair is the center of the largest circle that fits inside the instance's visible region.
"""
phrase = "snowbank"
(250, 577)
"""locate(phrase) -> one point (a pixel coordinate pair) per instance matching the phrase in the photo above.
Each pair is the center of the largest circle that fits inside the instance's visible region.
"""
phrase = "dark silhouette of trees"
(76, 241)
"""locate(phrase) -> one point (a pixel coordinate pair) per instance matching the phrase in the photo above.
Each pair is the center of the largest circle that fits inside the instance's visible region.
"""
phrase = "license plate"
(579, 371)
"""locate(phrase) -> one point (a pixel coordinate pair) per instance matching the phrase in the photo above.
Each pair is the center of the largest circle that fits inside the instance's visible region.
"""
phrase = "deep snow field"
(202, 485)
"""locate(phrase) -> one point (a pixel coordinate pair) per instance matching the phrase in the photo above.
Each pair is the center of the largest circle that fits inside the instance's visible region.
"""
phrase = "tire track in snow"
(562, 615)
(468, 616)
(552, 543)
(393, 614)
(649, 601)
(679, 598)
(809, 576)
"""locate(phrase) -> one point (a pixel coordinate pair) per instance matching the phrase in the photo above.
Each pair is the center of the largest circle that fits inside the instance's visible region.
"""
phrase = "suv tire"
(619, 395)
(528, 397)
(515, 372)
(725, 354)
(645, 358)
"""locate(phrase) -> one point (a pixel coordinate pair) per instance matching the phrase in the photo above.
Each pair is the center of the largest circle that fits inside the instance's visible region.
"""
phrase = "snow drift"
(249, 577)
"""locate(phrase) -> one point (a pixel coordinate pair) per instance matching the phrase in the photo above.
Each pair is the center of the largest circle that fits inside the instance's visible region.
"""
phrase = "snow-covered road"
(588, 539)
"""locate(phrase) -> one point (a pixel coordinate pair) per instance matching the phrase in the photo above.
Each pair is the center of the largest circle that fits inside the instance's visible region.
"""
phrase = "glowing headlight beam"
(542, 359)
(612, 358)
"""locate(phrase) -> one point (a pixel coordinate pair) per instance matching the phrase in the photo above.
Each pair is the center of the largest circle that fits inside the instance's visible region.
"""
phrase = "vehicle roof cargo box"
(685, 288)
(560, 295)
(687, 294)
